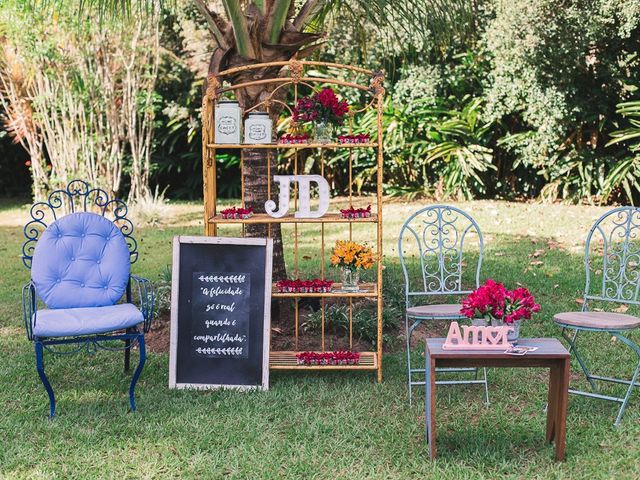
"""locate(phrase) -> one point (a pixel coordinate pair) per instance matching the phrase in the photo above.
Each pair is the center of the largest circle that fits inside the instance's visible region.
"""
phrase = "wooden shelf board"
(288, 361)
(366, 290)
(264, 218)
(296, 146)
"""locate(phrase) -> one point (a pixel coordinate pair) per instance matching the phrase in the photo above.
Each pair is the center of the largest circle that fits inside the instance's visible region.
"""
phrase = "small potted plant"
(351, 257)
(493, 303)
(323, 110)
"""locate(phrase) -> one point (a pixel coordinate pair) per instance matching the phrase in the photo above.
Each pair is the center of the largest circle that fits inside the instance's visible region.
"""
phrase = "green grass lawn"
(317, 425)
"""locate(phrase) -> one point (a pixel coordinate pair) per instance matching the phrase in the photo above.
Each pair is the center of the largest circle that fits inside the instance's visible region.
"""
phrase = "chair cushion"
(81, 260)
(434, 311)
(601, 320)
(69, 322)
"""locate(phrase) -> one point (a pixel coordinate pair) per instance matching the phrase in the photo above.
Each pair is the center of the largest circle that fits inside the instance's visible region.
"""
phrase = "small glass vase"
(350, 279)
(512, 336)
(322, 132)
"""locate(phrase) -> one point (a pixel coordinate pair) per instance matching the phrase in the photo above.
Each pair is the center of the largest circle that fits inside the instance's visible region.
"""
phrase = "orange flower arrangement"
(352, 255)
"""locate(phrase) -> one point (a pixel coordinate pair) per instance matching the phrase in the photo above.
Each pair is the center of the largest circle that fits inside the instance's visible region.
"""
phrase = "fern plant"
(625, 173)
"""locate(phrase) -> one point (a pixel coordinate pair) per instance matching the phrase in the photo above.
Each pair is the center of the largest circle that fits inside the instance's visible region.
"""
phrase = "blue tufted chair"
(80, 264)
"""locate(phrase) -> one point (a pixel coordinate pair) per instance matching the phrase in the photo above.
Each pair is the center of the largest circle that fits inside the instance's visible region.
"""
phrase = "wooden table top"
(548, 348)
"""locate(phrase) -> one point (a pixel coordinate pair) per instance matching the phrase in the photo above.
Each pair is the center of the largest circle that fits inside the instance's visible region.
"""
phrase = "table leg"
(552, 404)
(561, 409)
(430, 405)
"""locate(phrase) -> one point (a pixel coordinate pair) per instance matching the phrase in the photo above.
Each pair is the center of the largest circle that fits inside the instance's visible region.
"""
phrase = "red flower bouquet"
(323, 106)
(328, 358)
(492, 301)
(236, 213)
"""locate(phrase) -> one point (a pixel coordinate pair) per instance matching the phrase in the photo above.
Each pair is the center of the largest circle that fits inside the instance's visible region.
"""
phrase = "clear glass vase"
(350, 279)
(322, 132)
(513, 335)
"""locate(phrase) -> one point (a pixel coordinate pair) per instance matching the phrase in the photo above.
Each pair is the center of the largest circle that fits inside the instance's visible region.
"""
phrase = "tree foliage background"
(535, 99)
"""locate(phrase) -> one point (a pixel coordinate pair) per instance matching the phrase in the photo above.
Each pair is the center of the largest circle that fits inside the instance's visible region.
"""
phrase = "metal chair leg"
(573, 349)
(127, 355)
(408, 341)
(44, 379)
(486, 386)
(634, 378)
(138, 371)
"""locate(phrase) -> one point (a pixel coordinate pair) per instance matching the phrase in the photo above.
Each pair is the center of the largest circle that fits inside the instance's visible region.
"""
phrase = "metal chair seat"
(598, 320)
(445, 310)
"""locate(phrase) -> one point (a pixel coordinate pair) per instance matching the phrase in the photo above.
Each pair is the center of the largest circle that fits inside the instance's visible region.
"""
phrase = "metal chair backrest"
(77, 197)
(612, 257)
(438, 235)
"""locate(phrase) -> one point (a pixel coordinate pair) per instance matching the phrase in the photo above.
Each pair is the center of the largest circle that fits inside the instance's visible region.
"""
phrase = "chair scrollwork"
(76, 197)
(612, 257)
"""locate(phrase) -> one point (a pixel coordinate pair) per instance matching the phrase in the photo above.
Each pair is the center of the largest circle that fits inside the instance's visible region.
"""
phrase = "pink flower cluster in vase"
(289, 139)
(356, 212)
(328, 358)
(359, 138)
(322, 106)
(236, 213)
(492, 301)
(317, 285)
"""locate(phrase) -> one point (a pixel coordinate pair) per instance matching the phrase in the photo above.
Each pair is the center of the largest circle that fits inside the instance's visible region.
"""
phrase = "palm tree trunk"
(255, 178)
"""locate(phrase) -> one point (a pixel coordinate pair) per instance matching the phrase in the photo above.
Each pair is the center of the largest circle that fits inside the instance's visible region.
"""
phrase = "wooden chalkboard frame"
(173, 345)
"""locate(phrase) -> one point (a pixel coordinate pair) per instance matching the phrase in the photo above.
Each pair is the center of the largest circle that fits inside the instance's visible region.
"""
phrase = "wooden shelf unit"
(371, 88)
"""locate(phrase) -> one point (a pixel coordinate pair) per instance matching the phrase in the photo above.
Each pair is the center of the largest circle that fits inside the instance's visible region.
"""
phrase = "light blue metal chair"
(80, 263)
(612, 267)
(436, 237)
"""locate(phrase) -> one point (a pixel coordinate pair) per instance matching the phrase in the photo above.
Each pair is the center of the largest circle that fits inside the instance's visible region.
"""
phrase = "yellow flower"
(352, 254)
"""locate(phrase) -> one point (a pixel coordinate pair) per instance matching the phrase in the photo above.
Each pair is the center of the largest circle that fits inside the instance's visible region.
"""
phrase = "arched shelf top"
(296, 70)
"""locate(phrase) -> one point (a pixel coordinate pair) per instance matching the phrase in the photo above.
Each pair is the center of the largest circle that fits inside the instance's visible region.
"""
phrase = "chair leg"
(138, 371)
(43, 377)
(408, 341)
(486, 386)
(127, 355)
(574, 349)
(634, 378)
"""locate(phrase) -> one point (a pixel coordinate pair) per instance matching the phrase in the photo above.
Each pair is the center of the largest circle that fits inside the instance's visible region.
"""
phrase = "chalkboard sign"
(220, 312)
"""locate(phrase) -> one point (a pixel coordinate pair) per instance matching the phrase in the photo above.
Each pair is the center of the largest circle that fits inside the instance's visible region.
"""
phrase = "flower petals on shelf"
(341, 357)
(317, 285)
(236, 213)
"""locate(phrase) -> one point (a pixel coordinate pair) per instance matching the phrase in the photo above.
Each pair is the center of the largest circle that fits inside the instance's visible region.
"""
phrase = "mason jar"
(258, 128)
(227, 122)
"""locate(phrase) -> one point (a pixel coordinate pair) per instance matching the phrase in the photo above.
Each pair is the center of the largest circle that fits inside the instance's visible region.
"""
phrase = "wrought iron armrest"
(146, 298)
(29, 308)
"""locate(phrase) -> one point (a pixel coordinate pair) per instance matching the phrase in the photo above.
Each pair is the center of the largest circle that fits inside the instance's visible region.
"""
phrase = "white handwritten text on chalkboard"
(220, 328)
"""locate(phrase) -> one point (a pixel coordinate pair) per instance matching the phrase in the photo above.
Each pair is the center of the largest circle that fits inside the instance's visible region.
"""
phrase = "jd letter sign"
(304, 196)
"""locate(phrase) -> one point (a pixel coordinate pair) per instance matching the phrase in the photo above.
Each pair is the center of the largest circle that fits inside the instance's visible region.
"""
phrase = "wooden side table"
(550, 354)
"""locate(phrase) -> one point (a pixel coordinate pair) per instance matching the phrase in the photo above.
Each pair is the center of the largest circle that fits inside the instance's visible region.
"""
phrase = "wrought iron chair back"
(438, 235)
(612, 258)
(76, 197)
